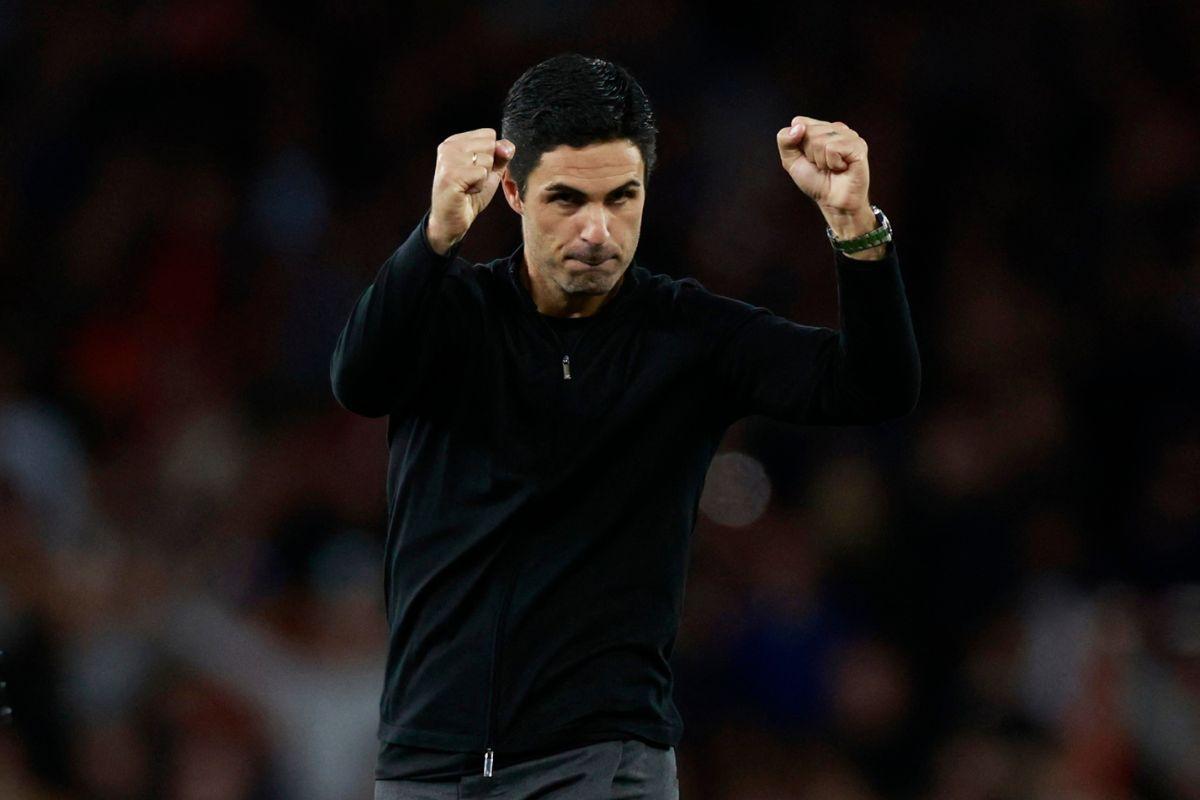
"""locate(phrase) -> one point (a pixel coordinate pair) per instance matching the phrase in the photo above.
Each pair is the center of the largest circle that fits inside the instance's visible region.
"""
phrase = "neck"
(554, 302)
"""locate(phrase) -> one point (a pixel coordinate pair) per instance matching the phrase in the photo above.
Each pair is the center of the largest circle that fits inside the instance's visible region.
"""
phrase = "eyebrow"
(562, 188)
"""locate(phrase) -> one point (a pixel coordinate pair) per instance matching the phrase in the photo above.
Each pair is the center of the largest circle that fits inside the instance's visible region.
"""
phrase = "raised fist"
(469, 168)
(828, 161)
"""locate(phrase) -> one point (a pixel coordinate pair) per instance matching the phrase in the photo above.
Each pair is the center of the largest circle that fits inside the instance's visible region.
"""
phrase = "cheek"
(633, 222)
(541, 230)
(549, 223)
(560, 231)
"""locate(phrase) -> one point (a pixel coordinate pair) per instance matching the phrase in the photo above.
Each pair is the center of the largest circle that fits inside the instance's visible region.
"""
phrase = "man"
(552, 416)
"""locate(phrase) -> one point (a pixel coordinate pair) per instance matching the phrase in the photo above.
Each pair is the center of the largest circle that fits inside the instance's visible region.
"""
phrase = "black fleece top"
(542, 494)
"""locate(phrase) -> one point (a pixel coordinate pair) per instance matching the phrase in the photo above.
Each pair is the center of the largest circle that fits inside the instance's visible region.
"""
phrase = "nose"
(595, 226)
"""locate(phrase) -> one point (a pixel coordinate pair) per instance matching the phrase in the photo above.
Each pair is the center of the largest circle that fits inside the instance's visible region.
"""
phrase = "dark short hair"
(574, 100)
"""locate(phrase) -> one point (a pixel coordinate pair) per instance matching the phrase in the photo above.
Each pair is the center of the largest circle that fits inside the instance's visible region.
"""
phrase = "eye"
(563, 198)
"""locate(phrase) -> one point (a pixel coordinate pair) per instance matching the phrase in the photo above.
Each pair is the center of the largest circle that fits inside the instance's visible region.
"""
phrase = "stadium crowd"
(995, 597)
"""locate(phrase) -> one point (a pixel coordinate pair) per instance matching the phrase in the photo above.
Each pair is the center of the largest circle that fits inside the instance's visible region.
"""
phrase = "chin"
(591, 287)
(592, 283)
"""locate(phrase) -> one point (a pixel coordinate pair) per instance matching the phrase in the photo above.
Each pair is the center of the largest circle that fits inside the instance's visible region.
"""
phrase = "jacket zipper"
(566, 359)
(489, 753)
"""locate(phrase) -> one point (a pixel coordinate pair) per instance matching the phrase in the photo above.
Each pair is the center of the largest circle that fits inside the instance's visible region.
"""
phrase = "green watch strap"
(866, 241)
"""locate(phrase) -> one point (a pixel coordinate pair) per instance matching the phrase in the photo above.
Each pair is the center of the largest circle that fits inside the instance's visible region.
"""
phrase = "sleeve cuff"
(890, 258)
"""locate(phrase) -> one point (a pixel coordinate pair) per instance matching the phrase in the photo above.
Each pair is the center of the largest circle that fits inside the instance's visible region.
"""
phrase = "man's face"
(582, 216)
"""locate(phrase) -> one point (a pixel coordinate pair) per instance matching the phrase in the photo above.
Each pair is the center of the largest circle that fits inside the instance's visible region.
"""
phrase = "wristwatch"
(880, 235)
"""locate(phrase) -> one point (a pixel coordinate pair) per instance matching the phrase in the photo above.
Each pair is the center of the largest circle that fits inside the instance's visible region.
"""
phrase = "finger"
(814, 151)
(822, 130)
(812, 141)
(455, 153)
(474, 135)
(809, 121)
(825, 133)
(471, 159)
(834, 152)
(477, 184)
(850, 148)
(493, 158)
(470, 176)
(800, 123)
(858, 151)
(832, 146)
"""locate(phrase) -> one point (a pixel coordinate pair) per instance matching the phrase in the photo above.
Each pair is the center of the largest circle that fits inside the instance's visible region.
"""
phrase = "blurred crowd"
(995, 597)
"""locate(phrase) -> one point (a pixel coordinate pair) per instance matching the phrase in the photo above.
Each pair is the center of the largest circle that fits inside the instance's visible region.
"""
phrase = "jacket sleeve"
(866, 372)
(377, 361)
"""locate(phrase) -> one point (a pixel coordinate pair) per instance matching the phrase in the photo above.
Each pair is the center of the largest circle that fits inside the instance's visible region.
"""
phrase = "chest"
(528, 398)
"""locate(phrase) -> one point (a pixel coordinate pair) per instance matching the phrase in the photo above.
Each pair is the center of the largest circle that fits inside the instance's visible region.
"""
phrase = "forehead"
(590, 168)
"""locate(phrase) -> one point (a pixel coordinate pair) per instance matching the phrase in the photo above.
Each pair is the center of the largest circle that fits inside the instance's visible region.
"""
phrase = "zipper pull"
(487, 763)
(566, 368)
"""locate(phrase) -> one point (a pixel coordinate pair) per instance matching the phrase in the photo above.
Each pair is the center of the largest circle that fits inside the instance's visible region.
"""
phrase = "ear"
(512, 194)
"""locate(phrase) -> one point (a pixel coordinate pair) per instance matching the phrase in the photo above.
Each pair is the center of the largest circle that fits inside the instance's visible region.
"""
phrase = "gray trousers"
(628, 770)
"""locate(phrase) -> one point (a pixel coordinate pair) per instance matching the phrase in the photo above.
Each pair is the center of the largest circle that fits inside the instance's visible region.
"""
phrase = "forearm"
(381, 339)
(873, 370)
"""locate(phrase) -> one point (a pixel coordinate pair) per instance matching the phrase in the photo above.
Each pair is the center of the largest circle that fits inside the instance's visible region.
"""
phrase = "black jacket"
(541, 500)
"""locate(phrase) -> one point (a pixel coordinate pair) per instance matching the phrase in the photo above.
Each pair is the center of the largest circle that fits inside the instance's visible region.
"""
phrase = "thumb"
(505, 150)
(795, 133)
(487, 188)
(789, 142)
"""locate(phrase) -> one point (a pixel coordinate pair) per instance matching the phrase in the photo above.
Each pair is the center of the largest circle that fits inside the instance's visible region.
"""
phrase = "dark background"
(995, 597)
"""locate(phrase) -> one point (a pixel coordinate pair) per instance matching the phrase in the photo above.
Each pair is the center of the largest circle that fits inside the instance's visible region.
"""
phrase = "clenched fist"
(828, 161)
(469, 168)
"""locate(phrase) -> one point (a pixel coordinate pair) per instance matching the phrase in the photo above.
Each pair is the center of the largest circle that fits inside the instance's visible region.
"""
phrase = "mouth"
(589, 264)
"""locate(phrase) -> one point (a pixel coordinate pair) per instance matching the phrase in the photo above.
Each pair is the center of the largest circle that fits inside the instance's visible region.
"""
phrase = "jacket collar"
(631, 285)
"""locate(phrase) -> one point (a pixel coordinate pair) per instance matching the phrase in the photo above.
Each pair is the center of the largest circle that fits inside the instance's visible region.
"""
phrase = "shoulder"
(687, 302)
(476, 280)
